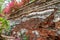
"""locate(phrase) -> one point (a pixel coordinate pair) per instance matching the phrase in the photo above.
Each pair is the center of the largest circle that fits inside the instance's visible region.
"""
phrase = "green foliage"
(0, 9)
(25, 37)
(1, 2)
(5, 24)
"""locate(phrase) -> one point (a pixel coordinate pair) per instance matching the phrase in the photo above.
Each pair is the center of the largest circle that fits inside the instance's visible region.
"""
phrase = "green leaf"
(1, 0)
(5, 24)
(25, 37)
(0, 9)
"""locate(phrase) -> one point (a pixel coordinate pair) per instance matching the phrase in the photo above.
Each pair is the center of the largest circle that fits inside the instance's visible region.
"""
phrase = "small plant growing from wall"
(4, 25)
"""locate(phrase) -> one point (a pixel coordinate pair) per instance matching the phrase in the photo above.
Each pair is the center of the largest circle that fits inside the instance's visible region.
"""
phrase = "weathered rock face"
(28, 24)
(40, 29)
(33, 7)
(38, 26)
(35, 30)
(57, 25)
(36, 21)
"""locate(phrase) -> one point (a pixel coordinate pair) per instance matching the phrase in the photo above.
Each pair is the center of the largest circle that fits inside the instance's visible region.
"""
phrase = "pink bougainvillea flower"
(7, 10)
(14, 3)
(9, 7)
(20, 4)
(11, 4)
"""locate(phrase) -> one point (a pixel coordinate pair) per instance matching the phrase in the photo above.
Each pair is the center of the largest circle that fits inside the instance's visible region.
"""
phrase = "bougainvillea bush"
(9, 6)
